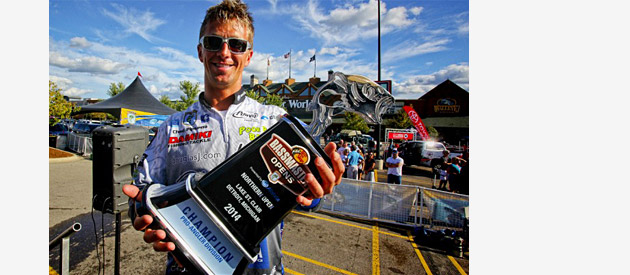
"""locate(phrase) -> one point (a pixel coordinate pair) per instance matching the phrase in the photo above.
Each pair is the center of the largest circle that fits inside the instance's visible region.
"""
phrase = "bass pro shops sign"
(297, 107)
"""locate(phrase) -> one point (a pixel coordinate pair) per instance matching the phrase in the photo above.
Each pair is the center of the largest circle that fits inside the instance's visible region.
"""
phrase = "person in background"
(453, 174)
(394, 166)
(354, 158)
(370, 164)
(441, 168)
(344, 159)
(361, 161)
(341, 146)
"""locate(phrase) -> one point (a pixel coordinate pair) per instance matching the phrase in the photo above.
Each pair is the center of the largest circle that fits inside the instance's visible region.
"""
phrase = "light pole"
(378, 128)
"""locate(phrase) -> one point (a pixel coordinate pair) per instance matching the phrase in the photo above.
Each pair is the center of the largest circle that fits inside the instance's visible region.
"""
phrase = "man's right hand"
(142, 223)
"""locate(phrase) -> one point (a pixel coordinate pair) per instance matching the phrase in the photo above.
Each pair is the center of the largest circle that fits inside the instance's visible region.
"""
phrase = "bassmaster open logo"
(287, 164)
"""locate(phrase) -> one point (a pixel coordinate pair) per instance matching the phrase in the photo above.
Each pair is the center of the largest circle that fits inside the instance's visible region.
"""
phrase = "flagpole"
(267, 68)
(315, 70)
(290, 63)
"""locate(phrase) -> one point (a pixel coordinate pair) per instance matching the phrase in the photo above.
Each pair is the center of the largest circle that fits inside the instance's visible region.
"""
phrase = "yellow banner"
(129, 116)
(140, 118)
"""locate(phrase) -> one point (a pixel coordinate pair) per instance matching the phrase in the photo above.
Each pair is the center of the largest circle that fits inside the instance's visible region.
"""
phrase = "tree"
(270, 99)
(115, 88)
(400, 120)
(433, 133)
(355, 122)
(190, 93)
(58, 107)
(166, 101)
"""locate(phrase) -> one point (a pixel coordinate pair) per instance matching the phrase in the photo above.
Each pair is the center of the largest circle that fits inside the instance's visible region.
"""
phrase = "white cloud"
(62, 82)
(332, 51)
(396, 18)
(346, 24)
(416, 10)
(412, 48)
(416, 86)
(79, 42)
(135, 22)
(105, 64)
(74, 92)
(87, 64)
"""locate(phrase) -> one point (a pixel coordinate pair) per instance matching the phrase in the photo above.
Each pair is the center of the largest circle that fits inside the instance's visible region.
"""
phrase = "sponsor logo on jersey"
(241, 114)
(251, 132)
(190, 118)
(191, 138)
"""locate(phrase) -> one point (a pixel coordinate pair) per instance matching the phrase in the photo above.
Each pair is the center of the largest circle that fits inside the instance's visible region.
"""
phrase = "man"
(353, 163)
(344, 160)
(394, 168)
(439, 166)
(224, 49)
(370, 163)
(341, 147)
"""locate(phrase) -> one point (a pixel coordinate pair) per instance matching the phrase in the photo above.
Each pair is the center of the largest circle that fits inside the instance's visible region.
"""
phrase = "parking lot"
(313, 243)
(320, 243)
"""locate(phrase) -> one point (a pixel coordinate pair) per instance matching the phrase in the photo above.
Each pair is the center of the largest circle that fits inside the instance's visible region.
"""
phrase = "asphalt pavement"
(313, 243)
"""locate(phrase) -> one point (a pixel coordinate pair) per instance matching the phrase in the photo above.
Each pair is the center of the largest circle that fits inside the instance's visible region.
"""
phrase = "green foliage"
(58, 107)
(270, 99)
(355, 122)
(433, 133)
(115, 88)
(166, 101)
(400, 120)
(190, 93)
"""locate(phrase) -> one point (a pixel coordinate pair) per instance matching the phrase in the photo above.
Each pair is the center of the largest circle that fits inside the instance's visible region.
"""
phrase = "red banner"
(415, 119)
(398, 135)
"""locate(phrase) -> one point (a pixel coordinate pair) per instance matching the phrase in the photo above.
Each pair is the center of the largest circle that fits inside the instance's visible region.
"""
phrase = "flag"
(268, 64)
(417, 122)
(312, 59)
(139, 74)
(287, 55)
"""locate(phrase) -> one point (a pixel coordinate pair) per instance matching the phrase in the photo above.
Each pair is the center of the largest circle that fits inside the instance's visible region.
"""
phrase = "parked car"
(58, 129)
(420, 152)
(85, 127)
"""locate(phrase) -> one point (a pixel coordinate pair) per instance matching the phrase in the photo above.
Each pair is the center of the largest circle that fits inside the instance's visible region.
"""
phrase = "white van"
(420, 152)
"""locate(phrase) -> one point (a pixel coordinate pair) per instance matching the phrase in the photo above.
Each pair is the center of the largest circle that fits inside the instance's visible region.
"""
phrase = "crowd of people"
(452, 172)
(359, 162)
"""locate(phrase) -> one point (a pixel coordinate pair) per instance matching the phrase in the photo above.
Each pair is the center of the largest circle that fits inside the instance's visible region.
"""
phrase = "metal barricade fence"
(400, 204)
(80, 144)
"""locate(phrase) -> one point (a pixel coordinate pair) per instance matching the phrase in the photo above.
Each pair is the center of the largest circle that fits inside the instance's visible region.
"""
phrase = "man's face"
(224, 69)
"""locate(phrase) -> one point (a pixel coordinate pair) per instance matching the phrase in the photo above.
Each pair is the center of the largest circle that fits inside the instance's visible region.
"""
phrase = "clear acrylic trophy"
(218, 221)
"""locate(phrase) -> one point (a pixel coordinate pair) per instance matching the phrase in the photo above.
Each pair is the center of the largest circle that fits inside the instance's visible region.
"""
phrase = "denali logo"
(241, 114)
(286, 164)
(190, 137)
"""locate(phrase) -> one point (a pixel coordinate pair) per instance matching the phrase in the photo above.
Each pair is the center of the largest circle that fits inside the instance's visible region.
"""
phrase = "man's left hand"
(329, 178)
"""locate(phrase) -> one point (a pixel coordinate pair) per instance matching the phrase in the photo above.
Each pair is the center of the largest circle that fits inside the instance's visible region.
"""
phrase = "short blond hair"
(230, 10)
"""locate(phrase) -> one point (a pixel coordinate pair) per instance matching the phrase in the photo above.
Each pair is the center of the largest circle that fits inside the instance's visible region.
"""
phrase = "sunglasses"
(214, 43)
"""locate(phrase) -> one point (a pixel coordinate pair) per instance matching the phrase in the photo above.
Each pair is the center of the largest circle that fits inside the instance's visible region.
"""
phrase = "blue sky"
(95, 43)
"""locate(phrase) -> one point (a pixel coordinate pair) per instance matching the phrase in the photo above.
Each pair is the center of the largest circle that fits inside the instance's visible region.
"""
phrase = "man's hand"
(329, 178)
(141, 223)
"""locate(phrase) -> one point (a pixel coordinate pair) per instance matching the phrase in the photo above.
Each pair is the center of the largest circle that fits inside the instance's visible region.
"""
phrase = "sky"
(95, 43)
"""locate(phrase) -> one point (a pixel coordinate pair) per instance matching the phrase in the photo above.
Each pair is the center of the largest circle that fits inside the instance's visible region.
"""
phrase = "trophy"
(218, 221)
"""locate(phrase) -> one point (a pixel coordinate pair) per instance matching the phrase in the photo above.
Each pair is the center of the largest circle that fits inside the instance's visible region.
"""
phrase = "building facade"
(445, 107)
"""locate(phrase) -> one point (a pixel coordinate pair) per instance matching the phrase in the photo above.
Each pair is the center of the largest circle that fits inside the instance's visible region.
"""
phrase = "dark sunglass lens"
(212, 43)
(238, 45)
